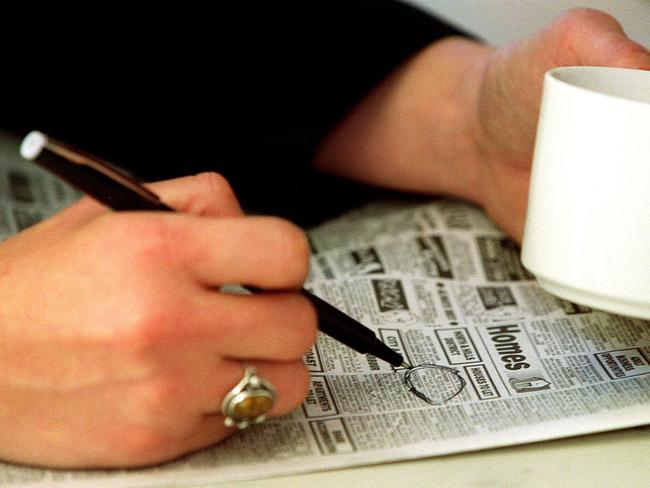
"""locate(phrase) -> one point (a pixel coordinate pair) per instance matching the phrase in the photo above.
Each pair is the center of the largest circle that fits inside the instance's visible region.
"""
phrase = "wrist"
(457, 153)
(417, 130)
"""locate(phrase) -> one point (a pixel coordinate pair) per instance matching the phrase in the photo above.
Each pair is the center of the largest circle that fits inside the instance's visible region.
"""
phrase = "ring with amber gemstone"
(249, 401)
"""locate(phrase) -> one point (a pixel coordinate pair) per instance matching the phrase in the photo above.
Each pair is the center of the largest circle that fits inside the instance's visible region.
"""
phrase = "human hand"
(116, 346)
(509, 98)
(459, 117)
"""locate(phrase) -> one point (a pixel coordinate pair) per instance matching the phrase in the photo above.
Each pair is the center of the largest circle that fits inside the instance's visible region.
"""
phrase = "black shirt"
(247, 89)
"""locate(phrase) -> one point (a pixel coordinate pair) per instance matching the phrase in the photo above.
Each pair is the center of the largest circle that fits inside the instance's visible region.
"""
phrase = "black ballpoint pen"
(119, 191)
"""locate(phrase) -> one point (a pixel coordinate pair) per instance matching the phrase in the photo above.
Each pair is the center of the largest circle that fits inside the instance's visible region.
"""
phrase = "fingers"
(183, 414)
(205, 194)
(265, 252)
(594, 38)
(274, 326)
(290, 380)
(198, 388)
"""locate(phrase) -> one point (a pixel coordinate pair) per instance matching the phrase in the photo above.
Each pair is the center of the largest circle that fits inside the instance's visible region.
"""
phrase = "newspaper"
(441, 284)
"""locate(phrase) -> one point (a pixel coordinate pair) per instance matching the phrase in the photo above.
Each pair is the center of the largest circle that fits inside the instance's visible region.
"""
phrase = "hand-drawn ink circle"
(447, 380)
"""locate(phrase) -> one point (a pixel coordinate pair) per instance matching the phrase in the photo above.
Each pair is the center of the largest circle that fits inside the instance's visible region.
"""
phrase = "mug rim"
(621, 84)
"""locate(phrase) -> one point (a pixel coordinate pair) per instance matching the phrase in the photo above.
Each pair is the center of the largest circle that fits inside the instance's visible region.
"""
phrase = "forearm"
(417, 130)
(460, 119)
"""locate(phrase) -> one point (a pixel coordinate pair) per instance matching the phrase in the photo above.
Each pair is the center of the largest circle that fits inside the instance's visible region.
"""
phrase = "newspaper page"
(438, 282)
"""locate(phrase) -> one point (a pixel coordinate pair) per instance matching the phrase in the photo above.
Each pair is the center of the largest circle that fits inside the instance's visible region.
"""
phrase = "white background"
(502, 21)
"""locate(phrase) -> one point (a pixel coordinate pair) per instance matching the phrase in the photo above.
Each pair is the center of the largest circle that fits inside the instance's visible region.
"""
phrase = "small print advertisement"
(481, 381)
(623, 363)
(458, 346)
(500, 258)
(331, 436)
(320, 401)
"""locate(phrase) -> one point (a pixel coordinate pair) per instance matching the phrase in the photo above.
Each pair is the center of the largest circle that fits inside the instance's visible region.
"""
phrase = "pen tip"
(32, 145)
(405, 365)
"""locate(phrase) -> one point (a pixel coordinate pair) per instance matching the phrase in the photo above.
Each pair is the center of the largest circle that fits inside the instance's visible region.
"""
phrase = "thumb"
(593, 38)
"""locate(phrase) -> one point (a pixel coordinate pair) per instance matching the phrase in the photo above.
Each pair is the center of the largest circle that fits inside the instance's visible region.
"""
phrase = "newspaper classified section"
(439, 283)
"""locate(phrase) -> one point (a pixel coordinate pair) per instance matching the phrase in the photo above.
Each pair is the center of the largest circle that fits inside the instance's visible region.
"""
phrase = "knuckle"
(582, 36)
(302, 384)
(157, 399)
(574, 21)
(564, 27)
(299, 389)
(595, 37)
(580, 15)
(304, 339)
(141, 333)
(216, 186)
(154, 241)
(214, 182)
(135, 238)
(291, 249)
(142, 444)
(630, 55)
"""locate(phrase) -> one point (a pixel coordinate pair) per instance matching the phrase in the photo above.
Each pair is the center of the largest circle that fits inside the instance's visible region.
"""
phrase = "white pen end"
(32, 145)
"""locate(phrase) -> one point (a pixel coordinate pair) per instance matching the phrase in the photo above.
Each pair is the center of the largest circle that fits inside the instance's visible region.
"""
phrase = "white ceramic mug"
(587, 235)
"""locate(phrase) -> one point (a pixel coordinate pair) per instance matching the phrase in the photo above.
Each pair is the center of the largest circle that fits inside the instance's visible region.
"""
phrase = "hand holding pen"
(124, 347)
(119, 191)
(117, 349)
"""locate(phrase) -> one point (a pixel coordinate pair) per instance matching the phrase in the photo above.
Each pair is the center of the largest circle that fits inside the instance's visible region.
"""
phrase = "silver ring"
(249, 401)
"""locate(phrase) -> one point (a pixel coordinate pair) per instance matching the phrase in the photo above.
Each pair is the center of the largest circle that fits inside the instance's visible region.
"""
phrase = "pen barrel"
(96, 184)
(121, 192)
(341, 326)
(348, 331)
